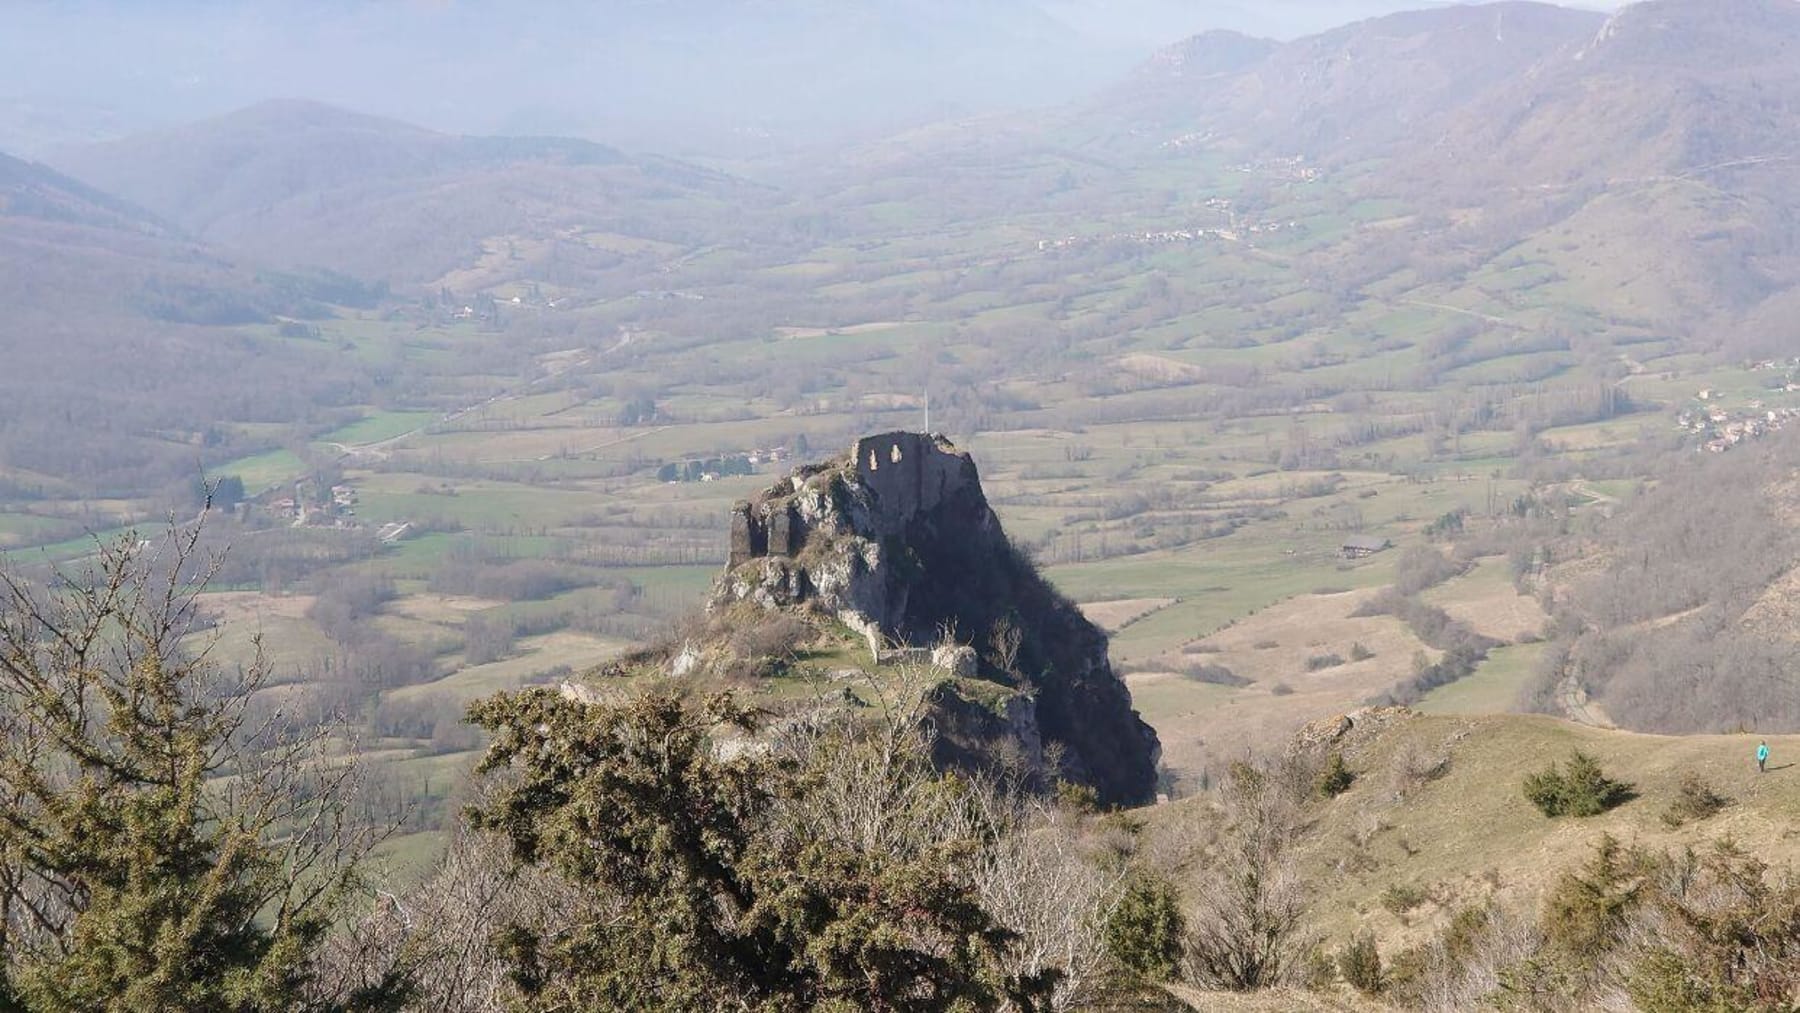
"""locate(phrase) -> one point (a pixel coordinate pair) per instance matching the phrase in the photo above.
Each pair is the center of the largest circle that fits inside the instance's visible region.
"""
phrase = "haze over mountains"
(110, 310)
(679, 76)
(1365, 89)
(298, 182)
(1526, 109)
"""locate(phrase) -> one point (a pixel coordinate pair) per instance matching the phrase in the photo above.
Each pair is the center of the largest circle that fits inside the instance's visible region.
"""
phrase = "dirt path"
(1579, 708)
(1573, 700)
(1580, 487)
(640, 434)
(1447, 308)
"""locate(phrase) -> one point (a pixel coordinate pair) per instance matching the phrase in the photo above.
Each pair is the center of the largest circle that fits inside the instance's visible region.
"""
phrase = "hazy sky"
(678, 75)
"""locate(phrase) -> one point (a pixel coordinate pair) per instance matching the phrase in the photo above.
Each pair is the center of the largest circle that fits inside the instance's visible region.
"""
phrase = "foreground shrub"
(1416, 765)
(1401, 898)
(1585, 912)
(1694, 800)
(1143, 934)
(842, 877)
(1076, 797)
(1336, 778)
(1629, 928)
(131, 876)
(1465, 965)
(768, 648)
(1716, 932)
(1582, 789)
(1360, 964)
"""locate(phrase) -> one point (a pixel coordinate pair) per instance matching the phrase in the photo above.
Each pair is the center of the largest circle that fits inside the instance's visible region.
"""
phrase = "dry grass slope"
(1469, 835)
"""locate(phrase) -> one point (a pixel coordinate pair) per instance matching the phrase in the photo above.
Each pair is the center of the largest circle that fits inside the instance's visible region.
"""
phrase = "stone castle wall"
(748, 538)
(764, 529)
(910, 473)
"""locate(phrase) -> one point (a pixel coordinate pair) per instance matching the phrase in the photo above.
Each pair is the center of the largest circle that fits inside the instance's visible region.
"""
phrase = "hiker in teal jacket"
(1762, 757)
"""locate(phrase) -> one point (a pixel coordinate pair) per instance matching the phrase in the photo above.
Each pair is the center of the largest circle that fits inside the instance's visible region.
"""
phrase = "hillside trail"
(1573, 702)
(1578, 707)
(1691, 175)
(1603, 502)
(1460, 311)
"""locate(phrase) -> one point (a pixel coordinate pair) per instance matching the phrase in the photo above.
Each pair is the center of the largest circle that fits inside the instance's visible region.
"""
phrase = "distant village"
(487, 307)
(305, 504)
(1719, 428)
(1292, 169)
(1234, 231)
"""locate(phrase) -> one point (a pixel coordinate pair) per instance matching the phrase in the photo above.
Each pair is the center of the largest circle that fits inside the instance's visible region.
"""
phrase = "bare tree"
(1467, 976)
(1034, 871)
(445, 933)
(1041, 881)
(1243, 928)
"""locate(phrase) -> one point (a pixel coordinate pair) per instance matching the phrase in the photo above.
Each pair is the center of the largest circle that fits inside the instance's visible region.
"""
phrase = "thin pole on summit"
(928, 413)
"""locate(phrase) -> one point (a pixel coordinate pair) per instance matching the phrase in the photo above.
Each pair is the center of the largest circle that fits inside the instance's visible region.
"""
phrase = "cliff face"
(897, 540)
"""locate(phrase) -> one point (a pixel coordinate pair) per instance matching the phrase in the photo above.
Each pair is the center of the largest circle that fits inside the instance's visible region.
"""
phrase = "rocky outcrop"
(897, 540)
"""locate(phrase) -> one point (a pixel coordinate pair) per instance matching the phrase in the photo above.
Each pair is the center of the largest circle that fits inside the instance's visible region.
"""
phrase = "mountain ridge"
(296, 182)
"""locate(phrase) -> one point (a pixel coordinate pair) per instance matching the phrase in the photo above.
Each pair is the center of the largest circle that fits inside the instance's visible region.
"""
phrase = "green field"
(265, 470)
(1493, 689)
(378, 427)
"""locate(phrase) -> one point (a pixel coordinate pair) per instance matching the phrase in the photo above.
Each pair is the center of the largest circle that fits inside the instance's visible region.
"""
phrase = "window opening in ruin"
(895, 456)
(874, 465)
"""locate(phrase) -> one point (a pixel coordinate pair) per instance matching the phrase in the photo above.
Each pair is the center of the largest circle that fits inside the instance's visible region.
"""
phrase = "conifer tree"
(837, 878)
(157, 851)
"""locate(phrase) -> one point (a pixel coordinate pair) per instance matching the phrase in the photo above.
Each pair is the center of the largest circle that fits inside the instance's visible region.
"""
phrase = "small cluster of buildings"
(488, 307)
(1293, 169)
(305, 507)
(773, 455)
(714, 468)
(1166, 237)
(1363, 546)
(1783, 364)
(1720, 429)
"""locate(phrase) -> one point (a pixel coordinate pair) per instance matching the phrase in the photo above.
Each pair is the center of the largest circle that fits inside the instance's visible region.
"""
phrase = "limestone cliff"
(897, 541)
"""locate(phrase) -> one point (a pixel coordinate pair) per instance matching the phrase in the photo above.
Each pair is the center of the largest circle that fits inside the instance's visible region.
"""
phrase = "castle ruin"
(908, 473)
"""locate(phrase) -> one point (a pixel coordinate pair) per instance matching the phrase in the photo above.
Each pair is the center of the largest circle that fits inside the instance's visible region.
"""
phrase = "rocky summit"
(896, 541)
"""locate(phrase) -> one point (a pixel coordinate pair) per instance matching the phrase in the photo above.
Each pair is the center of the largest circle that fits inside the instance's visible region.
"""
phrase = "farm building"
(1359, 546)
